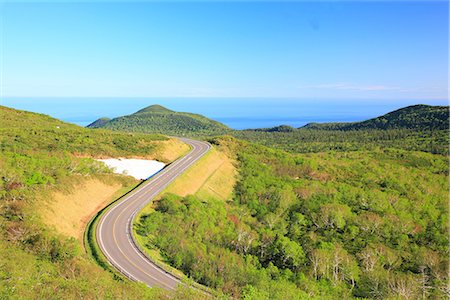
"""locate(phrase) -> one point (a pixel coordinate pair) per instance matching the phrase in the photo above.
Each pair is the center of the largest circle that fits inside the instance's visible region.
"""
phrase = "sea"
(237, 113)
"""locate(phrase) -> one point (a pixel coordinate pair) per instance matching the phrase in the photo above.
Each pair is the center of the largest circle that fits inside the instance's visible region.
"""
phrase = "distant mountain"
(421, 117)
(158, 119)
(99, 123)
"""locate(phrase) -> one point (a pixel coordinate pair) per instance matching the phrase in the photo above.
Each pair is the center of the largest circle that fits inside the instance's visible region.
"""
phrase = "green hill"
(99, 122)
(26, 131)
(423, 117)
(419, 127)
(40, 156)
(158, 119)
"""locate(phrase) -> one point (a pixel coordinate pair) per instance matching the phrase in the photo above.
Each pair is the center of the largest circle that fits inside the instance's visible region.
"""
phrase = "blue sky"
(334, 50)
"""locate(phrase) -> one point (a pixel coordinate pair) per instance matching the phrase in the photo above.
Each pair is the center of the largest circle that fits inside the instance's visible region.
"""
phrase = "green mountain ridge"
(158, 119)
(411, 117)
(418, 127)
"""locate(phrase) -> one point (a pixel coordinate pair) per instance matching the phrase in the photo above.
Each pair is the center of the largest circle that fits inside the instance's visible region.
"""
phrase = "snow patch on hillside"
(138, 168)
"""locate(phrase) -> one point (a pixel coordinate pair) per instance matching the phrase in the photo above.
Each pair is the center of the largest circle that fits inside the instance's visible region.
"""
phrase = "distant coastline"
(237, 113)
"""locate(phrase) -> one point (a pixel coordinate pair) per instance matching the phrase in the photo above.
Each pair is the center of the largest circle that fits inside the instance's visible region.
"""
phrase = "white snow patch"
(138, 168)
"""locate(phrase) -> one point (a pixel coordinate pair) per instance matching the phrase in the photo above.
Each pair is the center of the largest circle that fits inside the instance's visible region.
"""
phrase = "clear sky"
(355, 50)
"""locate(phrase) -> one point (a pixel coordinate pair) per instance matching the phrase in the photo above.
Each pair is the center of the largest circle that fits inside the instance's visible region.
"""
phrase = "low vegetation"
(369, 224)
(213, 176)
(41, 156)
(25, 132)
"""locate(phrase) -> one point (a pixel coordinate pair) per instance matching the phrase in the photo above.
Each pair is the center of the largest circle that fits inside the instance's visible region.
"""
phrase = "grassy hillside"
(158, 119)
(368, 224)
(214, 175)
(422, 117)
(41, 157)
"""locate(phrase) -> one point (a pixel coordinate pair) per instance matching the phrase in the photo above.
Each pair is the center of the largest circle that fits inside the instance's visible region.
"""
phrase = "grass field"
(170, 150)
(214, 175)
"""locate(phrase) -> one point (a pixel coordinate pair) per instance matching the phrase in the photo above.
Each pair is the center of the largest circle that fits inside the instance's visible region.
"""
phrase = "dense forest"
(417, 127)
(307, 141)
(158, 119)
(367, 224)
(422, 117)
(39, 154)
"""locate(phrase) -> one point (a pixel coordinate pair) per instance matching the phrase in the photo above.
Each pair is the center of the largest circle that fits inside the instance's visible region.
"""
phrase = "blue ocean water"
(237, 113)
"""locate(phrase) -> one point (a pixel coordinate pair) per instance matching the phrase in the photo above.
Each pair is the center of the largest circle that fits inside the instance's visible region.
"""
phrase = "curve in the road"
(114, 231)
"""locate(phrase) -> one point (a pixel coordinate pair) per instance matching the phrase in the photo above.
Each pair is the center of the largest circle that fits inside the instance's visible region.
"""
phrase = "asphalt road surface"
(114, 231)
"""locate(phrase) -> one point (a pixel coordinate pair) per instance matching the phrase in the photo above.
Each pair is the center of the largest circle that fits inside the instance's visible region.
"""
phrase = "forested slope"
(158, 119)
(419, 127)
(308, 141)
(369, 224)
(423, 117)
(40, 155)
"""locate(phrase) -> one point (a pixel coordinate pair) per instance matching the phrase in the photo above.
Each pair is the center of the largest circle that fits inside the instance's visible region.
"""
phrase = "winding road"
(114, 230)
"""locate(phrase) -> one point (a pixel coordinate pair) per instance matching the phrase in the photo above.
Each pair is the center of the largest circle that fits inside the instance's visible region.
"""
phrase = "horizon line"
(228, 97)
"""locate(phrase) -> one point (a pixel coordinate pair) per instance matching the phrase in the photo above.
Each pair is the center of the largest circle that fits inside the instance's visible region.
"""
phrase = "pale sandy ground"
(138, 168)
(69, 212)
